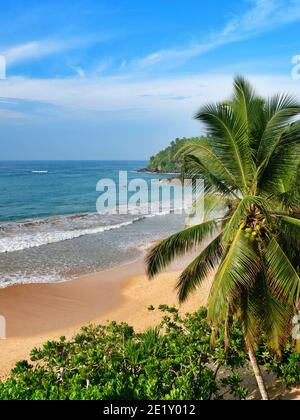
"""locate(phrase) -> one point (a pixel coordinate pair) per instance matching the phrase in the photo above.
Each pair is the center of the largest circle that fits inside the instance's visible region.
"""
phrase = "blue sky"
(120, 79)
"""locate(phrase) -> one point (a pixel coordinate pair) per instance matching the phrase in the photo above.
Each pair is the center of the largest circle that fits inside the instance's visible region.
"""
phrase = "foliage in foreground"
(176, 360)
(286, 367)
(172, 361)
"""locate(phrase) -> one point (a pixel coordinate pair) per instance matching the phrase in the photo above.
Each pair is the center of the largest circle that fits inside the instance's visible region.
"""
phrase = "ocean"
(50, 229)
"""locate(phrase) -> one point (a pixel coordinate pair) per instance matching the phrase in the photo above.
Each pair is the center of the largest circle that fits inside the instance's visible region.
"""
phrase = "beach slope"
(39, 312)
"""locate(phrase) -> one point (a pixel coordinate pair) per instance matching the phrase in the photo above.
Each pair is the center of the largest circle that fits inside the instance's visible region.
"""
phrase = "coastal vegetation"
(250, 163)
(249, 247)
(166, 160)
(175, 360)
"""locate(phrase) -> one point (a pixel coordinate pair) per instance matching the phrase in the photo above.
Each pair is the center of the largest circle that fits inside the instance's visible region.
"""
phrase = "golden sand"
(40, 312)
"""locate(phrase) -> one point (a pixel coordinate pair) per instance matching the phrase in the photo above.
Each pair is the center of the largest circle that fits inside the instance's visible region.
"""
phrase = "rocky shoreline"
(157, 171)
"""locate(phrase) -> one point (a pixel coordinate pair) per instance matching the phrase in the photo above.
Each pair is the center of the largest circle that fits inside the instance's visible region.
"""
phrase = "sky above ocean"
(120, 79)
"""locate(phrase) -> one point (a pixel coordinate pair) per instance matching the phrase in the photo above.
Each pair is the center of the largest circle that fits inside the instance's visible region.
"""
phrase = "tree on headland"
(250, 235)
(165, 160)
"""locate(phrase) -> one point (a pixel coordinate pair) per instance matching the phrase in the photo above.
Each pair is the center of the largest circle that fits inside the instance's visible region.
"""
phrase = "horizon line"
(74, 160)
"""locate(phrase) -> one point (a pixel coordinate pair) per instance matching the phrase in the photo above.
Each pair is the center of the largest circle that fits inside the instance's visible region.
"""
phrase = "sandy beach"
(38, 312)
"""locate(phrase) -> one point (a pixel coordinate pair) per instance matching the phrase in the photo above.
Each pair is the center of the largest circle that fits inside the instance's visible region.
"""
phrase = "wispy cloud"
(19, 108)
(78, 70)
(179, 96)
(42, 48)
(167, 97)
(32, 50)
(102, 66)
(263, 16)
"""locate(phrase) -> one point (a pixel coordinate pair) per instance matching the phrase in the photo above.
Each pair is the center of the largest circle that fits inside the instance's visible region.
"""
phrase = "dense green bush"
(176, 360)
(165, 161)
(286, 366)
(173, 361)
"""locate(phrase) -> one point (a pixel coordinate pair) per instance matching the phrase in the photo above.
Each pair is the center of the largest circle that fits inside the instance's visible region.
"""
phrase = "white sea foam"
(25, 241)
(17, 236)
(21, 278)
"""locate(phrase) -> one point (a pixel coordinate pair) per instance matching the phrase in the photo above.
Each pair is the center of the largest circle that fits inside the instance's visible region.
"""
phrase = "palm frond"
(291, 199)
(230, 141)
(193, 168)
(282, 169)
(207, 157)
(289, 234)
(262, 312)
(283, 278)
(279, 111)
(199, 269)
(213, 206)
(162, 254)
(291, 226)
(237, 270)
(249, 107)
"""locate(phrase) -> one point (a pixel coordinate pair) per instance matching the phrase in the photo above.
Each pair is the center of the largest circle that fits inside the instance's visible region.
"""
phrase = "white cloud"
(102, 66)
(32, 50)
(177, 95)
(78, 70)
(264, 15)
(42, 48)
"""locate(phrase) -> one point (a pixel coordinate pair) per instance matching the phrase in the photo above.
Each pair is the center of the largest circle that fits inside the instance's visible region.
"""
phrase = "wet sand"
(38, 312)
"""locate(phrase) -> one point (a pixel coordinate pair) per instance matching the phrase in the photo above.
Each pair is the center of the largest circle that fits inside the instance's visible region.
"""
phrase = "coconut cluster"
(252, 232)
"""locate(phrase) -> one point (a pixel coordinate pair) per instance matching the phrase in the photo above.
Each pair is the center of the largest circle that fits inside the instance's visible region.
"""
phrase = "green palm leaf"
(162, 254)
(199, 270)
(283, 166)
(283, 278)
(265, 313)
(193, 168)
(208, 158)
(230, 141)
(213, 206)
(237, 270)
(279, 110)
(291, 226)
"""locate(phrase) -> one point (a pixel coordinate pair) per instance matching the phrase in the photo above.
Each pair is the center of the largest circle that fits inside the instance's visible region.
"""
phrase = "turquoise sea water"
(49, 227)
(42, 189)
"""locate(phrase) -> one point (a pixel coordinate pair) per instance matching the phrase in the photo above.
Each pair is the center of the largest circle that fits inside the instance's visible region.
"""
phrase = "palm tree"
(250, 163)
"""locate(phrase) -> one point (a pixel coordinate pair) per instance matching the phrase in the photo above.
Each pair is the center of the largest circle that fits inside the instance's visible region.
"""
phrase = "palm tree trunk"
(257, 372)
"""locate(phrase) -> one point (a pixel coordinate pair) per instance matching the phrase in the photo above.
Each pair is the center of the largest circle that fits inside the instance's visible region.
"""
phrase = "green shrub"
(165, 161)
(173, 361)
(286, 366)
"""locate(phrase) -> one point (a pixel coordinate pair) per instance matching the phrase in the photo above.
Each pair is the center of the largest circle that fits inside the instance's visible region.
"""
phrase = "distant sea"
(50, 230)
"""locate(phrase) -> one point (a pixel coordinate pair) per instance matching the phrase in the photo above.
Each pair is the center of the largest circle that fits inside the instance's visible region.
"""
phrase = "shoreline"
(36, 313)
(73, 299)
(132, 294)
